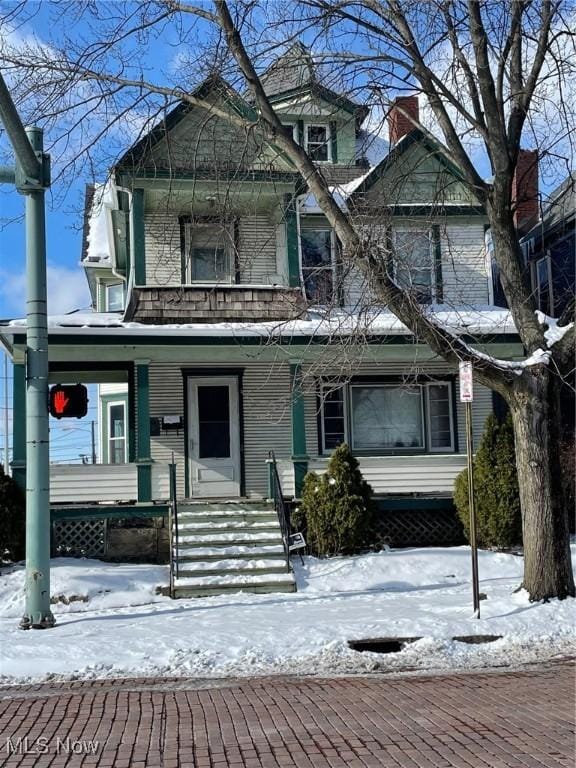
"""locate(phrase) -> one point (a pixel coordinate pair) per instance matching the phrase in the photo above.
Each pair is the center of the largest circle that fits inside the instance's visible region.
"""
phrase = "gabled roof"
(417, 136)
(294, 73)
(212, 84)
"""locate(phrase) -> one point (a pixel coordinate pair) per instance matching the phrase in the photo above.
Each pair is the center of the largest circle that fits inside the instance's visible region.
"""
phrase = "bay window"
(388, 417)
(114, 297)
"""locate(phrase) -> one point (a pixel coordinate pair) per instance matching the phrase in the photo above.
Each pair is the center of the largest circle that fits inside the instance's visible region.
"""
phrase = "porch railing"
(275, 492)
(173, 527)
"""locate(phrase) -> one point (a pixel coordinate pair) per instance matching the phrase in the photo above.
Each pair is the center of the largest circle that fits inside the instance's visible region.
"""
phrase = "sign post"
(466, 397)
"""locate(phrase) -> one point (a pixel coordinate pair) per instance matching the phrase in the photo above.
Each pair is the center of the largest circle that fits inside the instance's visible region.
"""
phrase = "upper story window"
(317, 142)
(388, 417)
(414, 263)
(544, 285)
(114, 297)
(208, 253)
(318, 264)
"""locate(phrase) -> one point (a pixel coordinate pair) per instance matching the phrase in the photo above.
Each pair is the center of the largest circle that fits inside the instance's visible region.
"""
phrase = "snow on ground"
(110, 621)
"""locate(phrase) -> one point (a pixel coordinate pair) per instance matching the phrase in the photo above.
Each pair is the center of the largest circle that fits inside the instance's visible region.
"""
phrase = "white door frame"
(214, 477)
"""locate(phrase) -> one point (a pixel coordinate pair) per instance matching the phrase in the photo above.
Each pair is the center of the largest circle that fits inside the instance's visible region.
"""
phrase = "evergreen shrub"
(497, 499)
(337, 508)
(12, 519)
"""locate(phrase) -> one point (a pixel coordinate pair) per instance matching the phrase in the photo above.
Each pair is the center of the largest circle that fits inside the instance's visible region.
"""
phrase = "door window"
(116, 433)
(214, 422)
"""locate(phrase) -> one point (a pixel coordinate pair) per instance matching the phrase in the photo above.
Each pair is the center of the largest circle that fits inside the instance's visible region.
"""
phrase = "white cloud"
(67, 291)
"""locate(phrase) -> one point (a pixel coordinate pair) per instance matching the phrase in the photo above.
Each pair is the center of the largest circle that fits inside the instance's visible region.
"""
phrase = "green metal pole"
(37, 614)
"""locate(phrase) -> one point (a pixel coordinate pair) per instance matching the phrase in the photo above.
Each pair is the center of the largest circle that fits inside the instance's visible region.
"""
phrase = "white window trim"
(189, 227)
(109, 404)
(329, 387)
(443, 449)
(548, 260)
(395, 449)
(328, 140)
(107, 287)
(428, 232)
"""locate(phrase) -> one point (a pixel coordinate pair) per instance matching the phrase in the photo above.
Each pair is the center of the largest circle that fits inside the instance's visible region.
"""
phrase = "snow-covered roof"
(99, 236)
(481, 320)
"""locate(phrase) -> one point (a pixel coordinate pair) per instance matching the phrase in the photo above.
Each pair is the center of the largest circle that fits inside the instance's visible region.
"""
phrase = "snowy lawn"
(110, 622)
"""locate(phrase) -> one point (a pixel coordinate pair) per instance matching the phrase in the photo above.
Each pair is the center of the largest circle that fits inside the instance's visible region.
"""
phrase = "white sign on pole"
(466, 387)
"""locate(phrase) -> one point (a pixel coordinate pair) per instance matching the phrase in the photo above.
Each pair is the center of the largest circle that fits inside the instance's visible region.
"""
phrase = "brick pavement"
(488, 720)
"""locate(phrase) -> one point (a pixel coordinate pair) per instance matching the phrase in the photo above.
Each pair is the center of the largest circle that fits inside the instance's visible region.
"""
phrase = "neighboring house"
(549, 248)
(225, 310)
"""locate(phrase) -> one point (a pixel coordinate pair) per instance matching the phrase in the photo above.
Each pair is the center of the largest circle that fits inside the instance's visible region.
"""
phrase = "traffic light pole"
(31, 176)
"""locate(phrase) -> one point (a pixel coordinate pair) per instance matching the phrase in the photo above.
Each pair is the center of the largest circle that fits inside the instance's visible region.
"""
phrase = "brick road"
(489, 720)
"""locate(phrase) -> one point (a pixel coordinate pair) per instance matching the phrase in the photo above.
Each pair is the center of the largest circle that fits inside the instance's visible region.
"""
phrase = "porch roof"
(479, 321)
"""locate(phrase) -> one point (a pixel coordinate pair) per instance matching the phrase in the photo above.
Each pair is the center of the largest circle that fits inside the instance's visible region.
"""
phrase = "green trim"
(334, 140)
(240, 175)
(437, 245)
(299, 454)
(430, 211)
(19, 424)
(68, 340)
(139, 244)
(326, 94)
(292, 241)
(119, 512)
(144, 482)
(143, 432)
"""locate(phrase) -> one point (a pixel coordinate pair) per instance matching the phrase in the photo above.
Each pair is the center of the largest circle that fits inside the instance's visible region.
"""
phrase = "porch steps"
(229, 546)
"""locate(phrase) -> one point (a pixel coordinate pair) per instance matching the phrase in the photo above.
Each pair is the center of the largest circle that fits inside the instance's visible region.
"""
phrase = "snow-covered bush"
(12, 519)
(497, 500)
(337, 507)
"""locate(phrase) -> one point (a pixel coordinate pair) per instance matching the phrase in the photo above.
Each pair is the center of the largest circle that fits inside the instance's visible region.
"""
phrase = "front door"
(214, 436)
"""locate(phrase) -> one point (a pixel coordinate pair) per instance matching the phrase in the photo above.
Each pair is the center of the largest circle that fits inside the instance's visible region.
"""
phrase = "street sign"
(466, 384)
(68, 401)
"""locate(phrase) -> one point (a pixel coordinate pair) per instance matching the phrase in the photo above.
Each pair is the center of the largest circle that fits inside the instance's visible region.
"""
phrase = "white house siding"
(256, 249)
(463, 258)
(464, 275)
(266, 411)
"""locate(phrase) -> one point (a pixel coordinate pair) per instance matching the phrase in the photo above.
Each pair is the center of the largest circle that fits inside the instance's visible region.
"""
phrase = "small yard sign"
(466, 388)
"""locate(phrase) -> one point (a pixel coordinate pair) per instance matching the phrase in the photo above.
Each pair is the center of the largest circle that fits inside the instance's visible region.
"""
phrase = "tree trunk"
(547, 563)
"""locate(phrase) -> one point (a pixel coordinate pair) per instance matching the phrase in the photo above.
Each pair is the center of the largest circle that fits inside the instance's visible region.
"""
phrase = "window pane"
(116, 421)
(317, 268)
(387, 417)
(115, 297)
(543, 286)
(210, 249)
(214, 422)
(439, 414)
(333, 417)
(117, 451)
(414, 263)
(317, 142)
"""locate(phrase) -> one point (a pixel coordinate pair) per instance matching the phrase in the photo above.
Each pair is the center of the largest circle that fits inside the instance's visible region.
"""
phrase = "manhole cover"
(381, 644)
(476, 639)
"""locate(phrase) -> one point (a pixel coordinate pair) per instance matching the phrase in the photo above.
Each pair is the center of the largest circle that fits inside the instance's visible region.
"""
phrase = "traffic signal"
(68, 401)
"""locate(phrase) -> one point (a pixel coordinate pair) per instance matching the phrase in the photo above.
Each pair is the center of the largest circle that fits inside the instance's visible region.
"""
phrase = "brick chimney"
(525, 190)
(399, 123)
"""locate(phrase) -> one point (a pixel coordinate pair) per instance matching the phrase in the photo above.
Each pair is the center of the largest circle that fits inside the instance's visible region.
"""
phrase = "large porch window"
(387, 417)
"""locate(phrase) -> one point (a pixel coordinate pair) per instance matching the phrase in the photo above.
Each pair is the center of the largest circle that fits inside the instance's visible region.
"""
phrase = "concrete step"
(231, 566)
(216, 585)
(211, 554)
(205, 527)
(242, 538)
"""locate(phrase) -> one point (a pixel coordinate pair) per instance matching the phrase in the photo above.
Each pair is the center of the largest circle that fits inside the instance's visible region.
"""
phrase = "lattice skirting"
(79, 538)
(417, 528)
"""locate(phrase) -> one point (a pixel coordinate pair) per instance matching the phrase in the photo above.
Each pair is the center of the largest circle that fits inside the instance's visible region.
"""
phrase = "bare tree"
(504, 64)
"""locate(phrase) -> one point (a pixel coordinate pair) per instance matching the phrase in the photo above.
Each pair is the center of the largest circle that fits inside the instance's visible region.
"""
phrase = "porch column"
(138, 247)
(299, 455)
(19, 425)
(143, 458)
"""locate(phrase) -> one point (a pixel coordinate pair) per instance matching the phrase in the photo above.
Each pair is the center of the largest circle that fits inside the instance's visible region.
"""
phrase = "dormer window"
(114, 293)
(317, 142)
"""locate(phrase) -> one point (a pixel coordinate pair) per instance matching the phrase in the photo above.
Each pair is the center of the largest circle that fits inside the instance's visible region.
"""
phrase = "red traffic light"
(68, 401)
